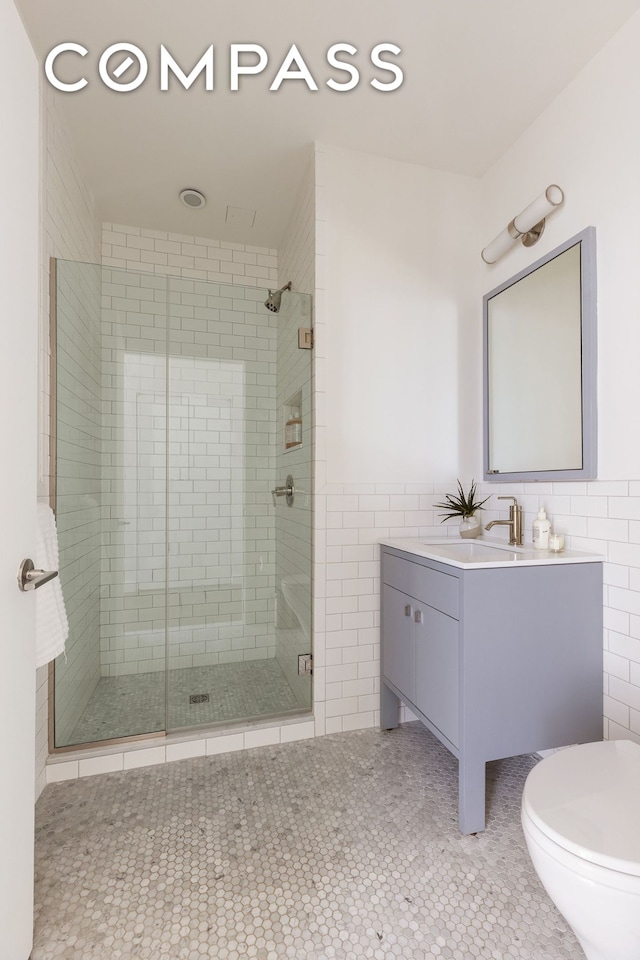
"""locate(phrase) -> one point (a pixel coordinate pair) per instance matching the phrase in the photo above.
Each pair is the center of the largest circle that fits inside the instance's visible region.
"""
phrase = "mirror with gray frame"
(540, 342)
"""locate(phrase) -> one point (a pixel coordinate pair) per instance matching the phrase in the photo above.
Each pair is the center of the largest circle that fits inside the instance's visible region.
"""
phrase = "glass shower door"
(226, 429)
(293, 521)
(111, 502)
(181, 405)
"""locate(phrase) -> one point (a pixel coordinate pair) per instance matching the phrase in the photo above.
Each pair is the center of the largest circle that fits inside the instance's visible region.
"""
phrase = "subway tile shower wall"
(189, 257)
(79, 488)
(221, 402)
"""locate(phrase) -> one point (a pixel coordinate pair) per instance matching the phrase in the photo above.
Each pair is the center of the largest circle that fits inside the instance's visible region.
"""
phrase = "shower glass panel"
(225, 438)
(110, 502)
(187, 585)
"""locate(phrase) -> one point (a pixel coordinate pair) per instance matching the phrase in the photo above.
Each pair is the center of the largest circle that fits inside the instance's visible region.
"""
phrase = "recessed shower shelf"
(292, 415)
(292, 429)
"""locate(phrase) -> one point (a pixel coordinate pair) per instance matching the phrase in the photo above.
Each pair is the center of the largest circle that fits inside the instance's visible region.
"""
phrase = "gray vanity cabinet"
(423, 659)
(437, 671)
(398, 620)
(496, 662)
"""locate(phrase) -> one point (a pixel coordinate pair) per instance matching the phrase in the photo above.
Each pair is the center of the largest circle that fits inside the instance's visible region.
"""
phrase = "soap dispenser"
(541, 530)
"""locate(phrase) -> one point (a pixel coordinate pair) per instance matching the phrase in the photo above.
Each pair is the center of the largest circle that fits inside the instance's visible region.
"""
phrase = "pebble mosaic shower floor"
(337, 848)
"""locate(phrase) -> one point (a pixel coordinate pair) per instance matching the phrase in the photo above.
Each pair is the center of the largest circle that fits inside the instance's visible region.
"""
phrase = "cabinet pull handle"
(408, 610)
(418, 616)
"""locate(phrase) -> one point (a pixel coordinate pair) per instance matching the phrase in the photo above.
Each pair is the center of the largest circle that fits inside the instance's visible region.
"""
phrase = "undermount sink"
(473, 551)
(469, 554)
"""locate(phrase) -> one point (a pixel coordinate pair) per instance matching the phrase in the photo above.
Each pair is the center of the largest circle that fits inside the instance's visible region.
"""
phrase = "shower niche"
(165, 447)
(292, 429)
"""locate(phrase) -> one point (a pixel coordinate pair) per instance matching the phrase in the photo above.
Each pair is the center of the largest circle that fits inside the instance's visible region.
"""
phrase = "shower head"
(272, 302)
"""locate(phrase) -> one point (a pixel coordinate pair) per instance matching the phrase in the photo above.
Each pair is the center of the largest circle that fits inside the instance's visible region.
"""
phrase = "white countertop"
(483, 552)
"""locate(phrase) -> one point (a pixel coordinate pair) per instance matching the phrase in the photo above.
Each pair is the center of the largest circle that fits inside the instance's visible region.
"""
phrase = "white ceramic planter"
(470, 527)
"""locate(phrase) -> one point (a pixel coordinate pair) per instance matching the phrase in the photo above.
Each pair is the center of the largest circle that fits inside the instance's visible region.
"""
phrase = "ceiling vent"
(240, 216)
(192, 198)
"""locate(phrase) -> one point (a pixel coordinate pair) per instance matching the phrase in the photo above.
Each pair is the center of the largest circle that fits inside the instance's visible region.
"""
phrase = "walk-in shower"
(173, 405)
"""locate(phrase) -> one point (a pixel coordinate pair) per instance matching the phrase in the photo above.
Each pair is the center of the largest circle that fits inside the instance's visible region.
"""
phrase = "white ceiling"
(477, 72)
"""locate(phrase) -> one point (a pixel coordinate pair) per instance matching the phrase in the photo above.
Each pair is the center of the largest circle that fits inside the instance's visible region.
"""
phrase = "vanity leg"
(389, 708)
(471, 795)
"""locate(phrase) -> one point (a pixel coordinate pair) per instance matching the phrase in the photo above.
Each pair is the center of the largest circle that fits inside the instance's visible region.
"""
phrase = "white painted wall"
(588, 141)
(18, 414)
(396, 288)
(398, 265)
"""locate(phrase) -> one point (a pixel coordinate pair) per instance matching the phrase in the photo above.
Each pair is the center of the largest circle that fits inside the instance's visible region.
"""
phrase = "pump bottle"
(541, 530)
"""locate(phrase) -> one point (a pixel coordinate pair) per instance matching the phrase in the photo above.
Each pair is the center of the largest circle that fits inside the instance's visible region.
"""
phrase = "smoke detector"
(192, 198)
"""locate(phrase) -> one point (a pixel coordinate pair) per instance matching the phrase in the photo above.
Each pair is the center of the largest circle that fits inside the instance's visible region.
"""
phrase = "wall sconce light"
(528, 226)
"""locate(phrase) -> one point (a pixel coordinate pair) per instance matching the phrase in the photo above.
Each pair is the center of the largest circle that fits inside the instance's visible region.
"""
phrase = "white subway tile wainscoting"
(347, 612)
(351, 519)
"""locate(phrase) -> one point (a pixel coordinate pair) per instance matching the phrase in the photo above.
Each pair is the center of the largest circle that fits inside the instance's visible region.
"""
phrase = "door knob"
(30, 579)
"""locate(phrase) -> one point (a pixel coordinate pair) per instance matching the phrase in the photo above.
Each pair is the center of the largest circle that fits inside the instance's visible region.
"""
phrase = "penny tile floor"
(337, 848)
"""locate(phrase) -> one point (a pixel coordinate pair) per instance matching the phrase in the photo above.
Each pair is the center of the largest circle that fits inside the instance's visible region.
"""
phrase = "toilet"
(581, 822)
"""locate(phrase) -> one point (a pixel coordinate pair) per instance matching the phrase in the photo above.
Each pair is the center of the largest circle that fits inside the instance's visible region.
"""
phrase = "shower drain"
(199, 698)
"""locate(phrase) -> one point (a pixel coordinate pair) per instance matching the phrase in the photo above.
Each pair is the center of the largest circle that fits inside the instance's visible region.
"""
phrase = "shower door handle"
(30, 579)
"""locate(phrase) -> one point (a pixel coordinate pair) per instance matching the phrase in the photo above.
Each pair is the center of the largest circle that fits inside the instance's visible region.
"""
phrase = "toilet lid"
(587, 800)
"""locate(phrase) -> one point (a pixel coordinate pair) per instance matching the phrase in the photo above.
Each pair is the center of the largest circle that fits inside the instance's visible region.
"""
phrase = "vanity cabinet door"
(437, 679)
(399, 643)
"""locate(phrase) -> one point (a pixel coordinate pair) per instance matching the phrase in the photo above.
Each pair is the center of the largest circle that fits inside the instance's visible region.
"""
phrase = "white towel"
(52, 627)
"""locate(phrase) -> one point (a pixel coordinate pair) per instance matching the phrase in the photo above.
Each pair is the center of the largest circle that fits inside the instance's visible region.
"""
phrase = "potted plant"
(464, 505)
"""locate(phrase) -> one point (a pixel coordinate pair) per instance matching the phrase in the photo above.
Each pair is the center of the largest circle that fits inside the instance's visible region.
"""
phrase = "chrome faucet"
(514, 522)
